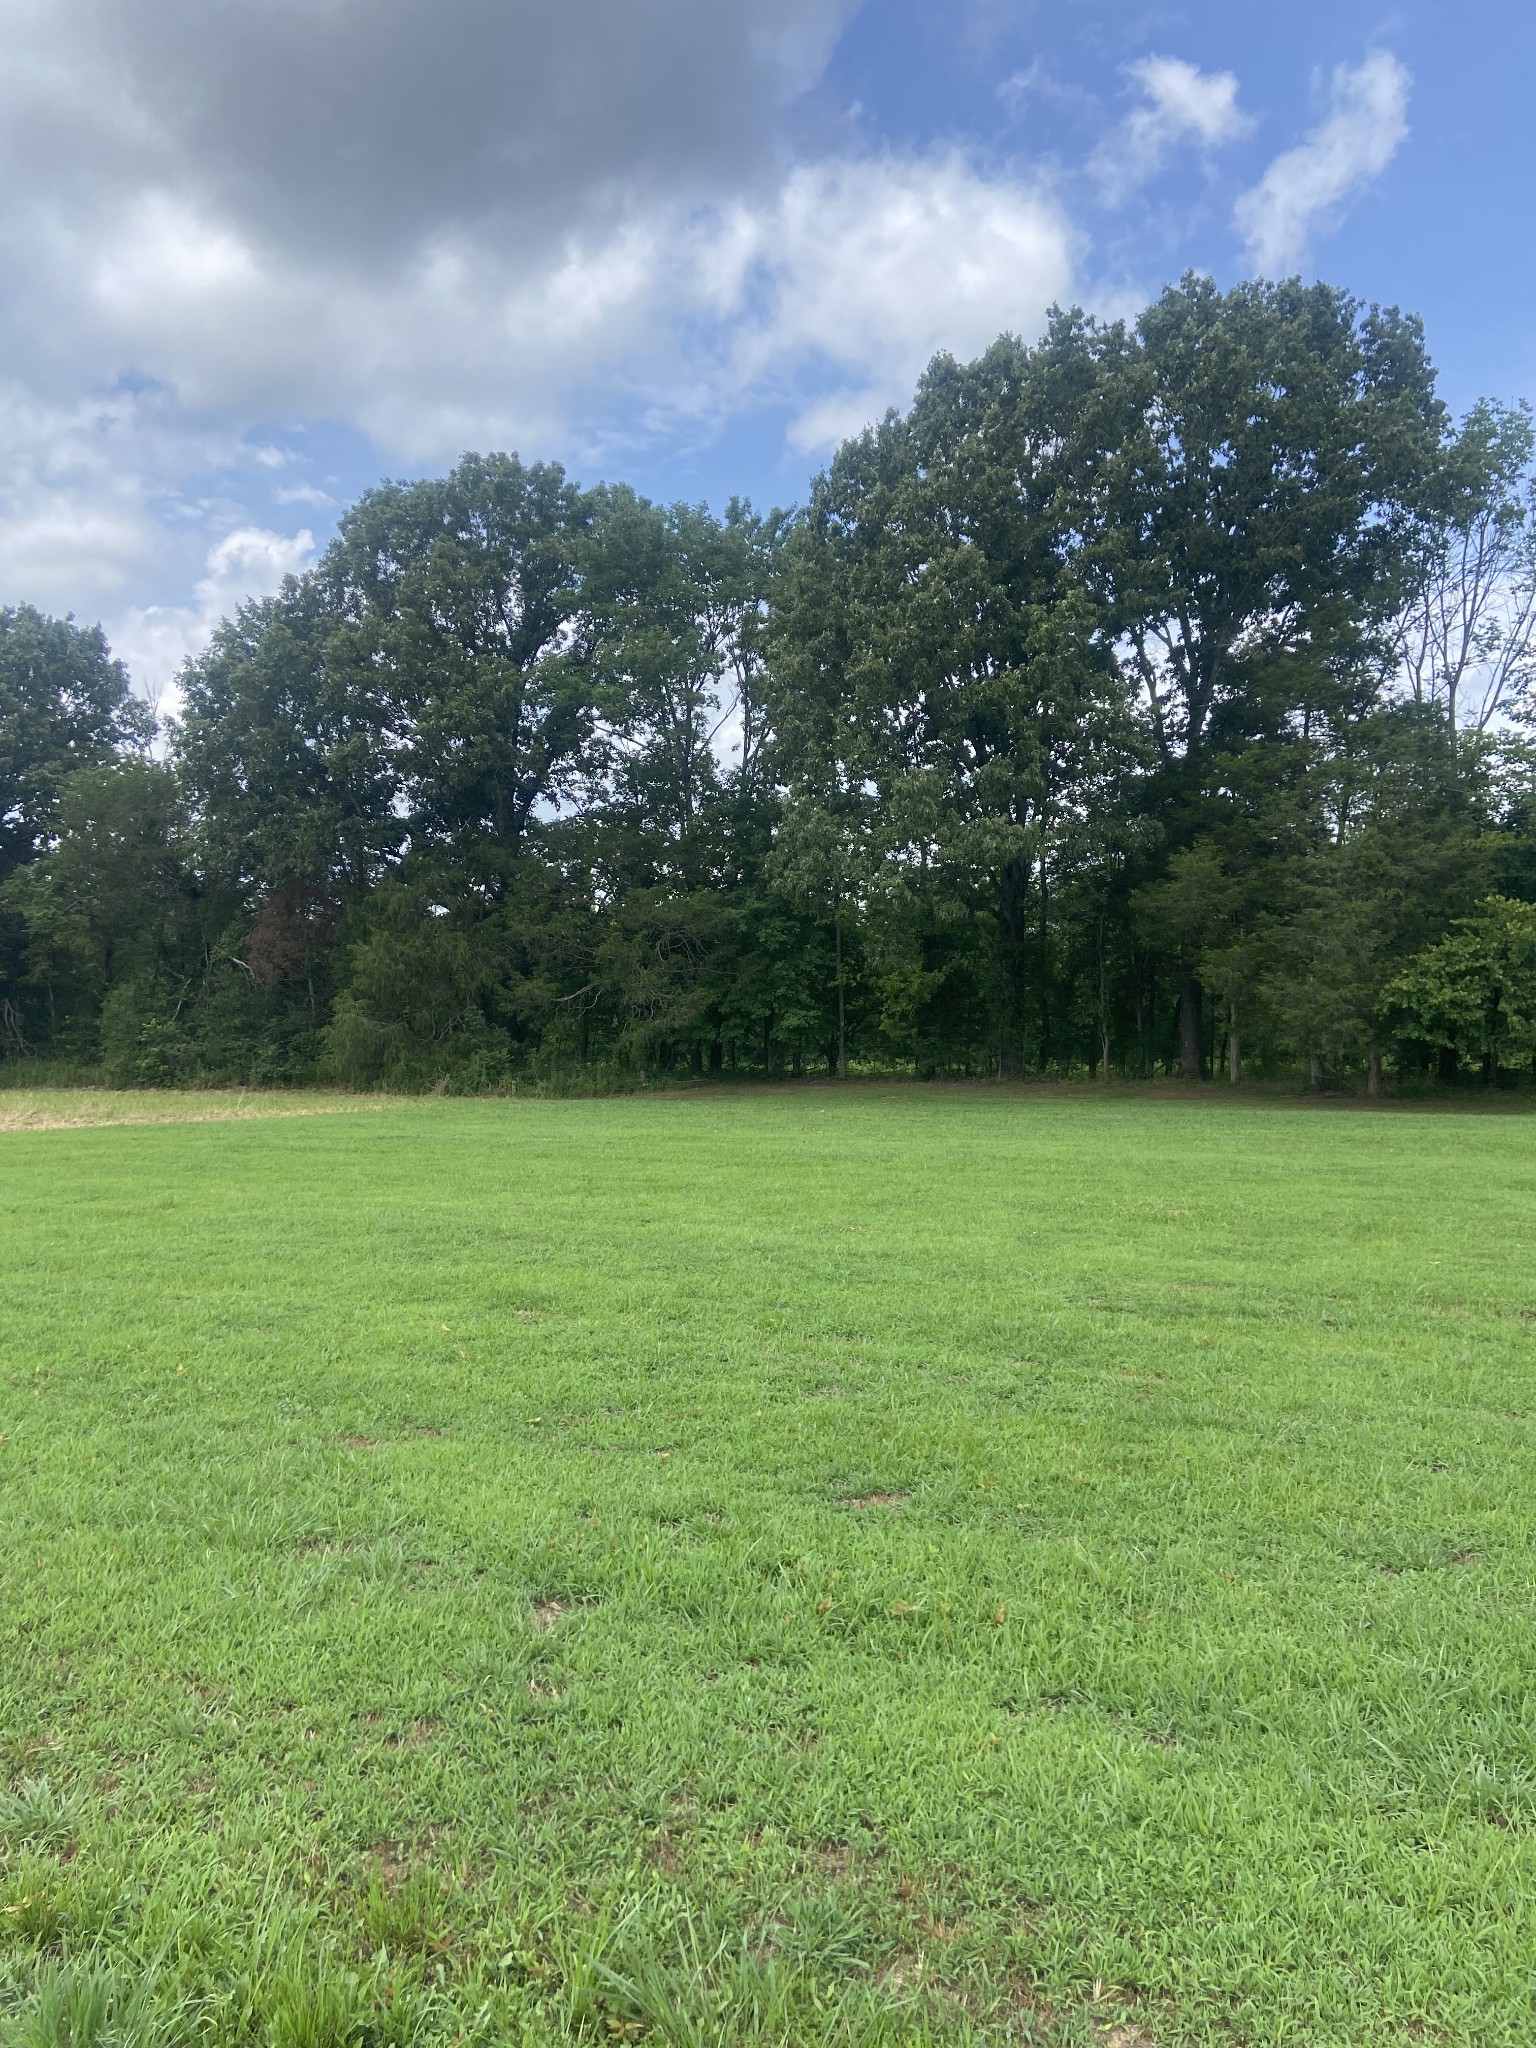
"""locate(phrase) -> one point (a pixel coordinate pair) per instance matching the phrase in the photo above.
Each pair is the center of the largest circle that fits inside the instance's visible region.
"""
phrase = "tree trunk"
(1315, 1074)
(1373, 1073)
(1103, 1003)
(1234, 1048)
(768, 1045)
(1045, 968)
(842, 1007)
(1141, 1033)
(1191, 1030)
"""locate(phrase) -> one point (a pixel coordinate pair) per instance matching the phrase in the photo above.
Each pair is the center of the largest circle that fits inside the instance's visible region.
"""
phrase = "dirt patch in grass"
(877, 1500)
(545, 1613)
(419, 1732)
(358, 1443)
(391, 1863)
(901, 1975)
(661, 1852)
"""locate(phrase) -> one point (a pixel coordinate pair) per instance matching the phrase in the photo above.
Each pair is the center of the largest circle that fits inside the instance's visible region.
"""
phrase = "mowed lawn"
(907, 1565)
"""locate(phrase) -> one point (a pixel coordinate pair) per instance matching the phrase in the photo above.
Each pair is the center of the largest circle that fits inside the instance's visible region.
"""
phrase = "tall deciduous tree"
(1253, 477)
(464, 595)
(285, 746)
(675, 599)
(938, 663)
(1466, 636)
(64, 705)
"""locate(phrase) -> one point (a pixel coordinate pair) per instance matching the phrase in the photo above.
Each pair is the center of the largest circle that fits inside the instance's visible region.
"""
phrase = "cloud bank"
(488, 222)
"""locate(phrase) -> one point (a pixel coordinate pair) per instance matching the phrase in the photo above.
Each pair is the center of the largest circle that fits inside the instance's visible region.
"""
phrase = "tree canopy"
(1155, 697)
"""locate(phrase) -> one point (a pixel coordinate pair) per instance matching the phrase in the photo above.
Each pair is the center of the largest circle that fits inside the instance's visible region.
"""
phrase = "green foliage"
(422, 989)
(462, 599)
(64, 705)
(284, 747)
(1255, 464)
(1140, 700)
(1476, 989)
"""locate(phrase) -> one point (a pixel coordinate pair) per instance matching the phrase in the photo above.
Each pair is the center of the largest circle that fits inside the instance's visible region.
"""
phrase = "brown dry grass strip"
(73, 1109)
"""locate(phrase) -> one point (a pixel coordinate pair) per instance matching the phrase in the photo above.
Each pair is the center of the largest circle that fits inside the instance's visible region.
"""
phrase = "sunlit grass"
(54, 1109)
(930, 1565)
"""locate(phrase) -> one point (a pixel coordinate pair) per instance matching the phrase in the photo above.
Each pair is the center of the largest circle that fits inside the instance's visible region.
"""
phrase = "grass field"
(918, 1565)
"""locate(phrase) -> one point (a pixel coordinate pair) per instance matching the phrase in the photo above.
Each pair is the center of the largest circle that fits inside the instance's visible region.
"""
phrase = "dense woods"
(1153, 699)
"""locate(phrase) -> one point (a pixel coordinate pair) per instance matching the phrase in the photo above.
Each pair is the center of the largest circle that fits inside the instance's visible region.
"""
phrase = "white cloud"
(154, 640)
(1302, 191)
(490, 223)
(1037, 81)
(856, 268)
(870, 268)
(1180, 103)
(306, 494)
(88, 491)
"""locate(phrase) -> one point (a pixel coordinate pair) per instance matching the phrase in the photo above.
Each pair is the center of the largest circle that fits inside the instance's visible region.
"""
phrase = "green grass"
(921, 1565)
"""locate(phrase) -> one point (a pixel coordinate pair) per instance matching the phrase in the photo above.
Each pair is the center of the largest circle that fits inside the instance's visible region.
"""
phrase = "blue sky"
(255, 257)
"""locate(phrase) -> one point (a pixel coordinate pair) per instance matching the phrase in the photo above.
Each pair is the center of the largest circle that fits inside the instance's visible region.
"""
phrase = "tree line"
(1154, 698)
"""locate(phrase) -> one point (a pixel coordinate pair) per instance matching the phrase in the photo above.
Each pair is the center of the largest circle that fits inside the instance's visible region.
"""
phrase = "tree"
(110, 911)
(1476, 989)
(64, 706)
(1465, 639)
(1251, 478)
(284, 746)
(936, 662)
(1195, 913)
(675, 599)
(464, 598)
(819, 861)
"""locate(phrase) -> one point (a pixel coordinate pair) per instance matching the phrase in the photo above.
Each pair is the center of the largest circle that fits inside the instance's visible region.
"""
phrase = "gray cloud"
(438, 224)
(353, 127)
